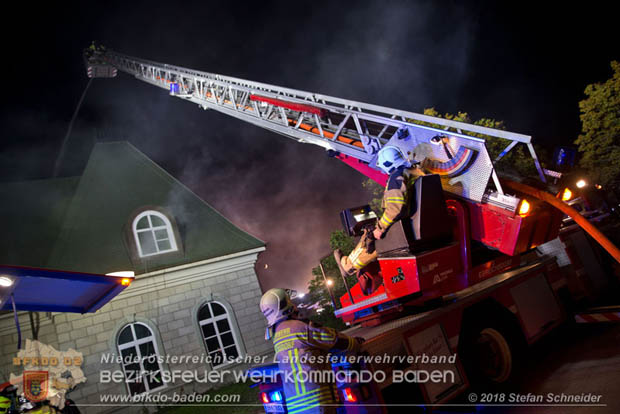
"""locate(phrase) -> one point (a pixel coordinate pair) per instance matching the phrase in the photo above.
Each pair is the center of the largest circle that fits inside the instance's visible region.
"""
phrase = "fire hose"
(569, 211)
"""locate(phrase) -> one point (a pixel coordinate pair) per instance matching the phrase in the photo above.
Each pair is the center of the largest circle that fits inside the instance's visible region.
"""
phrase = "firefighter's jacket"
(398, 196)
(5, 404)
(301, 349)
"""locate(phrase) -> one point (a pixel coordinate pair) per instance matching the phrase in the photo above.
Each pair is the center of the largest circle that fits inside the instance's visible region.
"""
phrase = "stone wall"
(166, 301)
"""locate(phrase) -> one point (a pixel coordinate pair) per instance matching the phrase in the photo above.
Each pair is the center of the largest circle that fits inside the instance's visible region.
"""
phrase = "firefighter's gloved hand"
(369, 241)
(377, 234)
(357, 344)
(353, 346)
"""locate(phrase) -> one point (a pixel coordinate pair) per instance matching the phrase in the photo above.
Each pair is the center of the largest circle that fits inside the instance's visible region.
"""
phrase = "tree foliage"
(599, 141)
(317, 291)
(376, 191)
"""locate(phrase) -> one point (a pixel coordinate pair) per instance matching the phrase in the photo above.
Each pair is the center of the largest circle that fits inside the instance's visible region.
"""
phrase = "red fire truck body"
(470, 290)
(522, 304)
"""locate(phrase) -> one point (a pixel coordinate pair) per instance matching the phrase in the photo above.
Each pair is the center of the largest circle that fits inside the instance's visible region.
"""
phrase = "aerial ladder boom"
(351, 131)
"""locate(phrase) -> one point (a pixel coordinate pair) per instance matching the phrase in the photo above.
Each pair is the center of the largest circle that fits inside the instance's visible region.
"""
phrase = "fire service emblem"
(36, 385)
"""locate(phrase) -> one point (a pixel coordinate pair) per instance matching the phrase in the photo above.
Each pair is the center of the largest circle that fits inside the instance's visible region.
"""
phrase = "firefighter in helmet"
(297, 343)
(397, 198)
(6, 390)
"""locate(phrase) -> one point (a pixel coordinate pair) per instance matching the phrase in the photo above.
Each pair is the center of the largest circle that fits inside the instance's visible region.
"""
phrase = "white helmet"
(390, 158)
(276, 306)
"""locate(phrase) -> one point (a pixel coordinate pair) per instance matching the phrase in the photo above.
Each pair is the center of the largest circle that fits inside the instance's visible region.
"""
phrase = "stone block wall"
(167, 302)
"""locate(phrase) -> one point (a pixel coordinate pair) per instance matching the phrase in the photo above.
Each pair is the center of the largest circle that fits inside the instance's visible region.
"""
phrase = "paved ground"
(575, 360)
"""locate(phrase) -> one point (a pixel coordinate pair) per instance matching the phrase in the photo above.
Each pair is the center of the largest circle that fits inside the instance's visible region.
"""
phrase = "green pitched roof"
(118, 181)
(31, 214)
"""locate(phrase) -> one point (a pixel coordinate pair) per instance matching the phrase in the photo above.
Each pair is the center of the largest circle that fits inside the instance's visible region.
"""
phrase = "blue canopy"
(45, 290)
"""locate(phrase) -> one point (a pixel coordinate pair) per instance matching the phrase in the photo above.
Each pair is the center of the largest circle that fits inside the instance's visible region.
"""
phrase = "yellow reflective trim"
(396, 198)
(290, 356)
(283, 347)
(320, 388)
(355, 253)
(396, 202)
(312, 404)
(282, 332)
(385, 220)
(289, 337)
(350, 344)
(289, 340)
(299, 410)
(358, 264)
(302, 404)
(309, 398)
(326, 341)
(303, 384)
(303, 397)
(324, 336)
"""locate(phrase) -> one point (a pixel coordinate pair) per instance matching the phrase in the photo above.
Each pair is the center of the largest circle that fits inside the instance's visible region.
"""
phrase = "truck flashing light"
(348, 395)
(264, 398)
(567, 194)
(524, 208)
(125, 281)
(275, 396)
(581, 183)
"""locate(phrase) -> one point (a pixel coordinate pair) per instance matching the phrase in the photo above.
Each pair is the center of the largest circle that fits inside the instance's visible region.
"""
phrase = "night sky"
(527, 65)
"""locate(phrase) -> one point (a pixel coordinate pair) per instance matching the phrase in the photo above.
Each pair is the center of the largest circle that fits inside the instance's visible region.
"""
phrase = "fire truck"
(480, 270)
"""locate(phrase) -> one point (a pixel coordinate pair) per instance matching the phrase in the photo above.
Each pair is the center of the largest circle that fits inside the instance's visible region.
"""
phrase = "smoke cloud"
(402, 54)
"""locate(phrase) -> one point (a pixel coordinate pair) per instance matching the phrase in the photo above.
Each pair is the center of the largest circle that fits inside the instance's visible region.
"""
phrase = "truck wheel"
(491, 353)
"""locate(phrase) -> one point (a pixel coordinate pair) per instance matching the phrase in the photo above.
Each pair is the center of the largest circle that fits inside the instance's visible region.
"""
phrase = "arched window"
(153, 233)
(140, 356)
(216, 327)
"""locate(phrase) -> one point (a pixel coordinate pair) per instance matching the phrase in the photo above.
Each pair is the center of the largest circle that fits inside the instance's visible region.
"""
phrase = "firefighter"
(396, 199)
(8, 394)
(297, 343)
(5, 404)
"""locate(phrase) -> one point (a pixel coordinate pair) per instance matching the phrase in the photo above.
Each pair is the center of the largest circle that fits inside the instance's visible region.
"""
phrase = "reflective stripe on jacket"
(295, 342)
(397, 196)
(5, 404)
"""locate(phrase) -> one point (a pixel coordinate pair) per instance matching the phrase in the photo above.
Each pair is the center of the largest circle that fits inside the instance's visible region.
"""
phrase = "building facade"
(193, 305)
